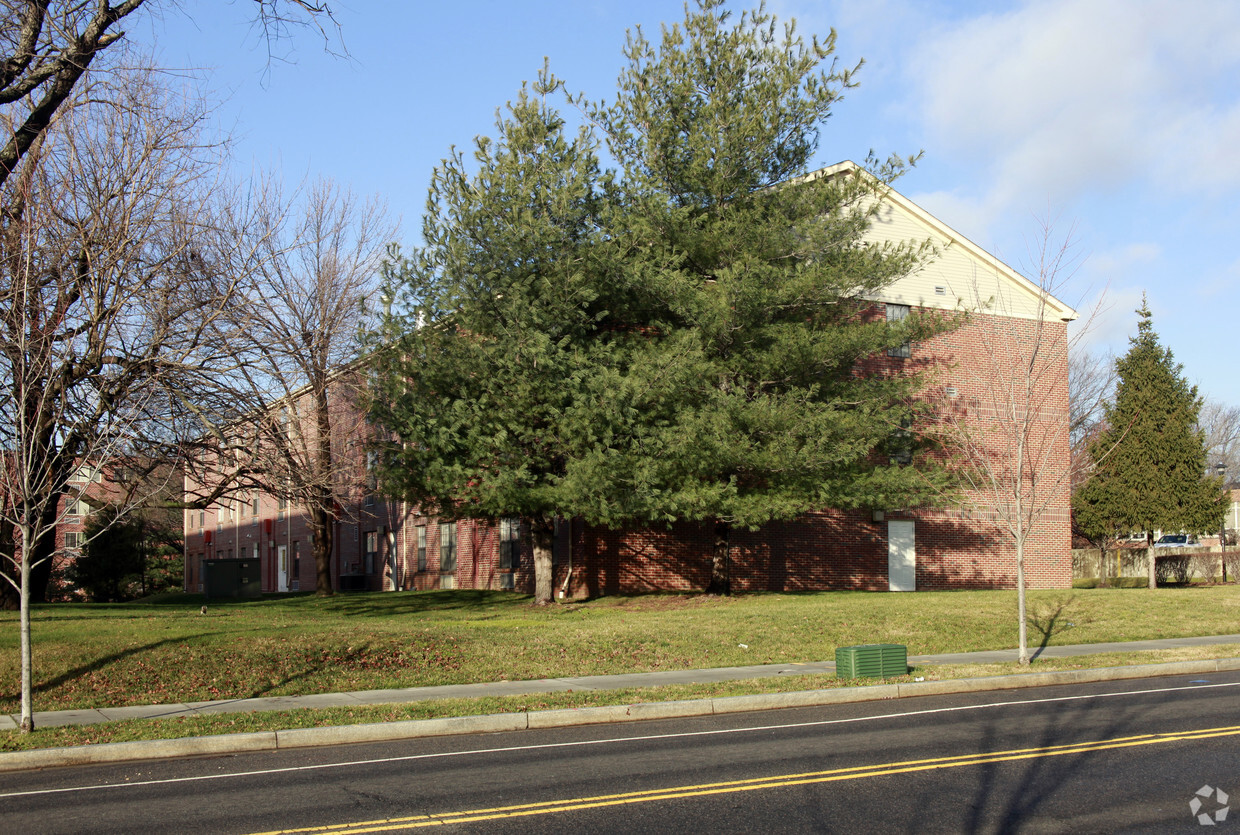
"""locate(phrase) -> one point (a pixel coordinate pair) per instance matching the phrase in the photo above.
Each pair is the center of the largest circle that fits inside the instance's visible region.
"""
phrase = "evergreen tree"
(1150, 461)
(687, 340)
(760, 399)
(511, 309)
(111, 566)
(129, 553)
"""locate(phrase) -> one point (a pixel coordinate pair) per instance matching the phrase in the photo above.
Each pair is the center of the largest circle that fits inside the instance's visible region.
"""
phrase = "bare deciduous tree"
(309, 280)
(48, 48)
(1091, 384)
(1012, 433)
(1221, 423)
(107, 317)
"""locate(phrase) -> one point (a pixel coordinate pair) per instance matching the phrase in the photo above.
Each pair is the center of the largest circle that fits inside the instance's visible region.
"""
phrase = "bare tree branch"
(1011, 431)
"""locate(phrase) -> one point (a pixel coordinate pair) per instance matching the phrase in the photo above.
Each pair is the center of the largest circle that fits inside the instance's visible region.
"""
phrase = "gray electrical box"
(224, 579)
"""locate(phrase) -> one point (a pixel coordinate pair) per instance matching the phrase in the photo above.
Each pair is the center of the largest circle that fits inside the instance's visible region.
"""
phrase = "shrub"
(1173, 568)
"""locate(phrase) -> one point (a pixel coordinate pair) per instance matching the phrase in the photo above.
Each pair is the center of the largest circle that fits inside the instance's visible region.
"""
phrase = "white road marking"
(609, 741)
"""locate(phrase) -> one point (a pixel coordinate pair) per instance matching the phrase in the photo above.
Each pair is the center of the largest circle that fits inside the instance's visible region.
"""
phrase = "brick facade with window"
(384, 544)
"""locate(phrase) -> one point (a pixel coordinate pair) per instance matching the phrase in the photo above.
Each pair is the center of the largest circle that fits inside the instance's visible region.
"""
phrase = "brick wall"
(962, 545)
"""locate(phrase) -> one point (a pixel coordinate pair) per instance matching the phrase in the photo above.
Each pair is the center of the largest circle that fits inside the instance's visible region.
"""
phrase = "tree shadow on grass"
(95, 665)
(1050, 620)
(390, 604)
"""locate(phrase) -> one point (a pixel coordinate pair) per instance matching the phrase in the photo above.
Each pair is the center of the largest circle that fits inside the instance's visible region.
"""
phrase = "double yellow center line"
(731, 786)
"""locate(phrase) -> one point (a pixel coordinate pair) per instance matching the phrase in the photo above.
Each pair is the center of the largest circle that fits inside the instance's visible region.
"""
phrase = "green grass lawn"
(166, 651)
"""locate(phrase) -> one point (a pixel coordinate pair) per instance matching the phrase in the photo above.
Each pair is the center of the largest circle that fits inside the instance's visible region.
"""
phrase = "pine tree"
(514, 309)
(756, 399)
(1150, 461)
(685, 339)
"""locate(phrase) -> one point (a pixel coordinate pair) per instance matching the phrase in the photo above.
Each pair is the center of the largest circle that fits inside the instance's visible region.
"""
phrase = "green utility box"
(232, 579)
(871, 660)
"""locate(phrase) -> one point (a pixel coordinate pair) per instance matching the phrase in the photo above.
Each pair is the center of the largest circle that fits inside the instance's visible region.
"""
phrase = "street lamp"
(1221, 469)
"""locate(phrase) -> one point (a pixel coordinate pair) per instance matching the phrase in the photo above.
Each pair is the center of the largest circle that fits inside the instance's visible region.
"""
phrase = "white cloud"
(1060, 97)
(1108, 320)
(1113, 284)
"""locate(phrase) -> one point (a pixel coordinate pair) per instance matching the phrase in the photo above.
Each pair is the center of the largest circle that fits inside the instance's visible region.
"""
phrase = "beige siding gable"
(961, 275)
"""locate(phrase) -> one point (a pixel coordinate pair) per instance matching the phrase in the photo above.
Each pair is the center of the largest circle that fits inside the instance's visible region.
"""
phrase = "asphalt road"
(1115, 756)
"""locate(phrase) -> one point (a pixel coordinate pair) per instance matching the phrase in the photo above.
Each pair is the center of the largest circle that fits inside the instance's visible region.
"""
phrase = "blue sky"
(1117, 120)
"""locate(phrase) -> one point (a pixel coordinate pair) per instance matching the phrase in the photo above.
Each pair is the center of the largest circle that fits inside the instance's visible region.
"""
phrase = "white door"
(901, 557)
(282, 568)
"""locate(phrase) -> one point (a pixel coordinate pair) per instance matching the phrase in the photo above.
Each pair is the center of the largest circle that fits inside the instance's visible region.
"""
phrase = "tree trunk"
(324, 512)
(27, 717)
(542, 543)
(42, 558)
(1103, 581)
(10, 595)
(60, 465)
(721, 560)
(1020, 601)
(1149, 558)
(324, 543)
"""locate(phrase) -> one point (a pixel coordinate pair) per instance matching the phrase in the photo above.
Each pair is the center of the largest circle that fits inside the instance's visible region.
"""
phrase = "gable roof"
(962, 276)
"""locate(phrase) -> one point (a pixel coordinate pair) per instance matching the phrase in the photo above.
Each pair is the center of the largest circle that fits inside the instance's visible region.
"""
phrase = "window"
(255, 508)
(421, 530)
(371, 555)
(296, 561)
(75, 507)
(372, 469)
(447, 547)
(73, 539)
(87, 473)
(898, 313)
(509, 543)
(902, 443)
(281, 506)
(202, 518)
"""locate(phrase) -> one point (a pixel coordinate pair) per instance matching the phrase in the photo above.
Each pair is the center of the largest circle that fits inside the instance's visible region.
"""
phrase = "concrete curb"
(114, 752)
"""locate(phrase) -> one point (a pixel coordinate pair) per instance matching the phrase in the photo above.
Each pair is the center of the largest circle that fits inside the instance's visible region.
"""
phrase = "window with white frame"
(509, 543)
(447, 547)
(371, 554)
(421, 531)
(898, 313)
(87, 473)
(372, 473)
(902, 443)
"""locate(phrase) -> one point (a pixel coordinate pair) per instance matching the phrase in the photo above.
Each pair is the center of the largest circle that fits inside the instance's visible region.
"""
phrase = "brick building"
(384, 544)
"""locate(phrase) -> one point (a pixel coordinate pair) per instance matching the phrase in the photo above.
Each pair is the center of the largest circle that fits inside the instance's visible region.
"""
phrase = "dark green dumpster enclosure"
(871, 660)
(232, 579)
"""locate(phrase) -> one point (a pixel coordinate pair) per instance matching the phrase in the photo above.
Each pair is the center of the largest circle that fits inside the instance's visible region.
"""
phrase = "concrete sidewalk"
(48, 719)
